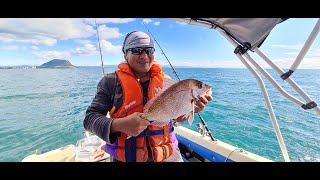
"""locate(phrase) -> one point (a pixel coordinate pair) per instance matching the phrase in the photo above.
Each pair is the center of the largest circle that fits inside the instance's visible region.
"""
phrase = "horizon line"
(167, 66)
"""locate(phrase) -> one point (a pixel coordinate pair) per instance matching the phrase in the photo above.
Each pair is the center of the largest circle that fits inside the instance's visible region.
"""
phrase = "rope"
(95, 20)
(240, 149)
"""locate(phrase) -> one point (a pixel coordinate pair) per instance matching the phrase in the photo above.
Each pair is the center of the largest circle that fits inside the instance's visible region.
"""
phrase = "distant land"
(57, 63)
(52, 64)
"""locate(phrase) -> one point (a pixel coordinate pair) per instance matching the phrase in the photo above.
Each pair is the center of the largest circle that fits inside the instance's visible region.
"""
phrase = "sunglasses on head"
(139, 50)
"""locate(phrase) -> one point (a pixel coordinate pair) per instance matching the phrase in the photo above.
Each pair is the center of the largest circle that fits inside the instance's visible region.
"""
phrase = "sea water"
(44, 109)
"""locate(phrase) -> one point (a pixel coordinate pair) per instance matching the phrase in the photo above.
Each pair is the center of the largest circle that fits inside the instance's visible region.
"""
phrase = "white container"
(90, 149)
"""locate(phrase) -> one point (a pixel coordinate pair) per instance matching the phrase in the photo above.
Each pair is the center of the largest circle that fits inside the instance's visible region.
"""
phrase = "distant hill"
(57, 63)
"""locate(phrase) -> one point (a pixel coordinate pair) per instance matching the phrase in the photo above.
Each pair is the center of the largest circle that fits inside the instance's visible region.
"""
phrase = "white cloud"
(8, 48)
(34, 47)
(235, 63)
(214, 64)
(108, 33)
(181, 23)
(146, 21)
(306, 63)
(43, 31)
(83, 41)
(107, 47)
(290, 47)
(44, 41)
(86, 50)
(292, 53)
(313, 53)
(309, 61)
(157, 23)
(108, 20)
(5, 37)
(43, 55)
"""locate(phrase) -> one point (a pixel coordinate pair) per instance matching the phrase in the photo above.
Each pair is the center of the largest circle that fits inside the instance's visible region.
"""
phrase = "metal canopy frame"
(241, 49)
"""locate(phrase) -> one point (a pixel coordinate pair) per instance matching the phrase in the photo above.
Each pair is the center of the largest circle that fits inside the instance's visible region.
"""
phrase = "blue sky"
(25, 41)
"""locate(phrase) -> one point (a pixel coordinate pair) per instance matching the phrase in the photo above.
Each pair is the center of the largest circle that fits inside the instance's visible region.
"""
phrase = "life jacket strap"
(146, 133)
(130, 149)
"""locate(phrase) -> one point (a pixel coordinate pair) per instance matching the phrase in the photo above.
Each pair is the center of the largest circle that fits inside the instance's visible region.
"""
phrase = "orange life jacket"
(159, 138)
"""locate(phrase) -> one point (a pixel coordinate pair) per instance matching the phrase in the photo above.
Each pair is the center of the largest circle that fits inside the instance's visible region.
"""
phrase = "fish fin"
(190, 117)
(148, 105)
(167, 82)
(194, 94)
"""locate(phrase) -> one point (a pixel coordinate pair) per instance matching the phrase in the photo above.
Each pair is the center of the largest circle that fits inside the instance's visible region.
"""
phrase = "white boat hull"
(210, 151)
(214, 151)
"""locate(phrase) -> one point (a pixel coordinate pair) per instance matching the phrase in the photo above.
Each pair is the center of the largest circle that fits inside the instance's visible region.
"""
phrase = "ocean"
(44, 109)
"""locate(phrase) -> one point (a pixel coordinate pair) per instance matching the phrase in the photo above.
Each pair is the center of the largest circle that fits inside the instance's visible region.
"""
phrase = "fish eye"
(200, 85)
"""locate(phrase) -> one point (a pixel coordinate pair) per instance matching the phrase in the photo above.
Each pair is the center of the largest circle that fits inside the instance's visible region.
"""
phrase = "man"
(129, 137)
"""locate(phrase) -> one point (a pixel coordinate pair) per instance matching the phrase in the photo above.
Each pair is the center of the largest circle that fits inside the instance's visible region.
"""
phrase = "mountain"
(57, 63)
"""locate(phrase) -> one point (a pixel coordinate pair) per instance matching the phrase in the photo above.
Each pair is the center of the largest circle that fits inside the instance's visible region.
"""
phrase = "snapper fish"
(175, 99)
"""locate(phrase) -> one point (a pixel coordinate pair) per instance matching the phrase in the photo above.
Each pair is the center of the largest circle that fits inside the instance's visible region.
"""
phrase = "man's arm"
(95, 120)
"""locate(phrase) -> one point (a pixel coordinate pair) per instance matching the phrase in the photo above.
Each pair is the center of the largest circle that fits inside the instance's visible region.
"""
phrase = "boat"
(246, 35)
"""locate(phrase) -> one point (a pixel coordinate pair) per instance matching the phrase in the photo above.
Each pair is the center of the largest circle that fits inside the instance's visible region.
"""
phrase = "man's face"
(140, 59)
